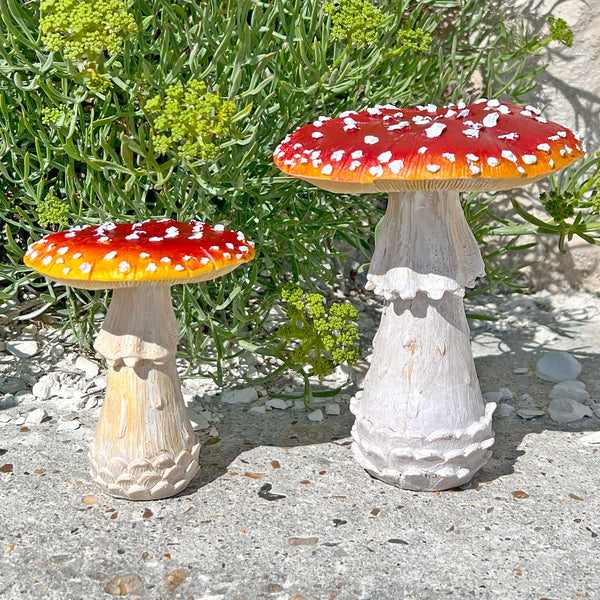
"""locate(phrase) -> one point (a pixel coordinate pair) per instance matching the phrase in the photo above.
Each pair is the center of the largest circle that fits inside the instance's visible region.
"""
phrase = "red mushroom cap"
(163, 252)
(488, 145)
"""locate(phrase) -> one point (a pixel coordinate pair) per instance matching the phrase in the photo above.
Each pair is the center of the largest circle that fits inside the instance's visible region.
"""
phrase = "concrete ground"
(280, 509)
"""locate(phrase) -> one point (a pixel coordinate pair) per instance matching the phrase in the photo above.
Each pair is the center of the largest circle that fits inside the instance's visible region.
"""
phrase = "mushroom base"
(421, 422)
(144, 447)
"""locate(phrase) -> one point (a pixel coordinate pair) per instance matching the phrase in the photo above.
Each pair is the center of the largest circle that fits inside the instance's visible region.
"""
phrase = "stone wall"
(569, 92)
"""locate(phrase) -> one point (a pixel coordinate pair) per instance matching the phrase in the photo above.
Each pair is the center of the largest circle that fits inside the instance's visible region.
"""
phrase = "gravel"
(281, 510)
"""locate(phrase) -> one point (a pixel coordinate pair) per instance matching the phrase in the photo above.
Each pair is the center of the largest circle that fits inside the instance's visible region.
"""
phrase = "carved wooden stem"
(421, 422)
(144, 447)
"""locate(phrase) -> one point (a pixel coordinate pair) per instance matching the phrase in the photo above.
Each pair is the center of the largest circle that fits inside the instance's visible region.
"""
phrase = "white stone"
(332, 408)
(35, 417)
(565, 410)
(492, 396)
(46, 387)
(89, 368)
(530, 413)
(23, 348)
(521, 371)
(505, 394)
(557, 366)
(68, 426)
(573, 390)
(590, 438)
(277, 403)
(543, 335)
(299, 404)
(526, 401)
(316, 415)
(258, 410)
(504, 410)
(100, 382)
(198, 419)
(241, 396)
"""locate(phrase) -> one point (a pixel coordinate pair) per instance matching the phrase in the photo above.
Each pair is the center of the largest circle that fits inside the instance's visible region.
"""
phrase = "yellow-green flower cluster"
(51, 210)
(560, 31)
(322, 340)
(189, 120)
(356, 22)
(559, 205)
(85, 28)
(56, 116)
(415, 39)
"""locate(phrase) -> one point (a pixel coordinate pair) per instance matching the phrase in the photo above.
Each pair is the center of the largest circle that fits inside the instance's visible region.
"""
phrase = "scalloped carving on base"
(146, 479)
(414, 461)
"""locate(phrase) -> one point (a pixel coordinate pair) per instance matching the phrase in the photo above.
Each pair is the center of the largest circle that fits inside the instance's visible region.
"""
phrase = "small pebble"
(242, 396)
(35, 417)
(572, 389)
(332, 408)
(530, 413)
(258, 410)
(23, 348)
(198, 419)
(277, 403)
(46, 387)
(565, 410)
(68, 426)
(504, 410)
(316, 415)
(521, 371)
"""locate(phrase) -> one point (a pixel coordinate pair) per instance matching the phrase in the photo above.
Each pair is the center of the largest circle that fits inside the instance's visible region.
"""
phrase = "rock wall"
(569, 92)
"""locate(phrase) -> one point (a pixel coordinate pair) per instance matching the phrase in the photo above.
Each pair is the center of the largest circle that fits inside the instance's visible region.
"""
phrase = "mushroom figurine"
(421, 422)
(144, 446)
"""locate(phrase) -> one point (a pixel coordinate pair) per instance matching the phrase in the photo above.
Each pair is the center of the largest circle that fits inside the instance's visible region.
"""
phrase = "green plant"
(314, 340)
(87, 93)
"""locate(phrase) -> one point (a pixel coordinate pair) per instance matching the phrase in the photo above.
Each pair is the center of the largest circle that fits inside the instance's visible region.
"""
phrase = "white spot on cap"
(219, 227)
(463, 113)
(509, 155)
(534, 109)
(491, 120)
(422, 150)
(316, 163)
(384, 157)
(318, 123)
(63, 250)
(450, 113)
(171, 232)
(493, 162)
(541, 119)
(317, 134)
(521, 170)
(374, 111)
(376, 171)
(354, 165)
(110, 255)
(431, 108)
(244, 249)
(472, 157)
(433, 168)
(77, 255)
(60, 261)
(132, 236)
(71, 234)
(155, 239)
(449, 156)
(421, 120)
(371, 139)
(142, 255)
(474, 169)
(529, 159)
(32, 255)
(151, 267)
(562, 151)
(346, 113)
(544, 147)
(553, 138)
(551, 163)
(395, 166)
(357, 154)
(103, 239)
(66, 270)
(350, 123)
(509, 136)
(569, 149)
(214, 248)
(47, 260)
(178, 268)
(327, 170)
(165, 259)
(493, 102)
(527, 113)
(205, 260)
(400, 125)
(562, 134)
(435, 130)
(315, 154)
(85, 267)
(472, 133)
(337, 155)
(124, 266)
(229, 245)
(504, 109)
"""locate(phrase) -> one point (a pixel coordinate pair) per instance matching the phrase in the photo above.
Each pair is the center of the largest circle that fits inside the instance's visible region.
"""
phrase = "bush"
(116, 110)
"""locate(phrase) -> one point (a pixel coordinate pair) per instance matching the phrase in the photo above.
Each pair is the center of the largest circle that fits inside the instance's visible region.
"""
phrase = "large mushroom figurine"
(144, 447)
(421, 422)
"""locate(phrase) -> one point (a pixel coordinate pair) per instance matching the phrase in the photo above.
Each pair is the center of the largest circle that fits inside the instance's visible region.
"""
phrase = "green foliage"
(315, 338)
(560, 31)
(84, 28)
(573, 203)
(188, 119)
(51, 210)
(282, 65)
(355, 22)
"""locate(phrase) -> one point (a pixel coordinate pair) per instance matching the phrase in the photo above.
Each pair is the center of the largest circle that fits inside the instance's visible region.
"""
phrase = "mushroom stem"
(144, 447)
(421, 422)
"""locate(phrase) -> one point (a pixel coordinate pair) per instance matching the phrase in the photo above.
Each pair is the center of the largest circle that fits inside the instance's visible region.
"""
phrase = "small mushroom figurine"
(144, 447)
(421, 422)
